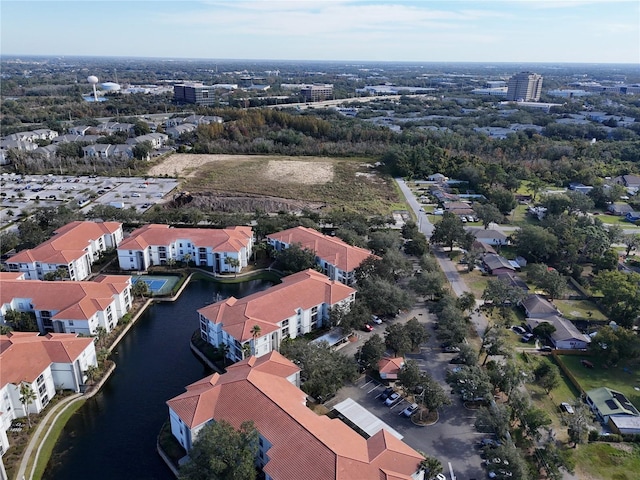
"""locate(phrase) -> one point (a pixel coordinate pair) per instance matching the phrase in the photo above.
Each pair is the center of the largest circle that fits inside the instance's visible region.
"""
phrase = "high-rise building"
(194, 93)
(525, 86)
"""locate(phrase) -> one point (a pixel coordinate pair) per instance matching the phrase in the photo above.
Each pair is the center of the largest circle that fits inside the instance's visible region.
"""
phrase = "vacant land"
(615, 461)
(246, 183)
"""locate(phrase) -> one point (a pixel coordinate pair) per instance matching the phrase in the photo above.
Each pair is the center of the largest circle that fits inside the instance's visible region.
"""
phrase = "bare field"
(310, 170)
(274, 183)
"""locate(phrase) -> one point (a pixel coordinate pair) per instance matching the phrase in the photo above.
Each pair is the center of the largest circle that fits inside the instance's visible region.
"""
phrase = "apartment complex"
(45, 363)
(337, 259)
(294, 442)
(67, 307)
(197, 93)
(525, 87)
(223, 250)
(298, 305)
(73, 248)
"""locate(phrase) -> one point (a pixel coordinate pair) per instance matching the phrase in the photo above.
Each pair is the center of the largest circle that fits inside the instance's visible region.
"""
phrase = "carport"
(355, 415)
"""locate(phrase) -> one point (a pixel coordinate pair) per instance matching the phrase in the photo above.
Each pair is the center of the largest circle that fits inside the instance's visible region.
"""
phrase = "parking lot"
(453, 437)
(22, 193)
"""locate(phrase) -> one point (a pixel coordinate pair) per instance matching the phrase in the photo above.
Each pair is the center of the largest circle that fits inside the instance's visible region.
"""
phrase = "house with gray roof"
(489, 236)
(496, 264)
(566, 335)
(536, 306)
(175, 132)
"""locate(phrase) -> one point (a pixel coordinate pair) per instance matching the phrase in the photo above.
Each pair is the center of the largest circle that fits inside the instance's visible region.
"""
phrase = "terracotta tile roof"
(68, 243)
(25, 355)
(71, 300)
(344, 256)
(300, 290)
(390, 365)
(231, 239)
(303, 444)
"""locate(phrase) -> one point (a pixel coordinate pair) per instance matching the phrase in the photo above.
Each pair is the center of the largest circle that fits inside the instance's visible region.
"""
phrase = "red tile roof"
(72, 300)
(301, 290)
(344, 256)
(390, 366)
(231, 239)
(25, 355)
(68, 243)
(303, 444)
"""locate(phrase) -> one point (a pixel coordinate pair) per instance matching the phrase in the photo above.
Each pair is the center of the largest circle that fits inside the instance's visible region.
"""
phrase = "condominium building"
(294, 442)
(73, 248)
(524, 87)
(298, 305)
(224, 250)
(337, 258)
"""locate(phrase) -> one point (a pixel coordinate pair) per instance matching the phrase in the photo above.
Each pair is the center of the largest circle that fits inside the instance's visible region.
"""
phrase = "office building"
(524, 87)
(197, 93)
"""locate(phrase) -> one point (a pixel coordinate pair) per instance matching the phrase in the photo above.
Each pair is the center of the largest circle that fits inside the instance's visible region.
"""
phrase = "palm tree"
(92, 373)
(233, 262)
(27, 397)
(255, 333)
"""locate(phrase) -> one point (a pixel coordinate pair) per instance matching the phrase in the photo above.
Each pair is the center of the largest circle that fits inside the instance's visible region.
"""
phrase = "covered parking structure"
(361, 420)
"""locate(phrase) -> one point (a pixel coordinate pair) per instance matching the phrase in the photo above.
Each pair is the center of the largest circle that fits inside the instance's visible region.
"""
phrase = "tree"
(579, 202)
(383, 296)
(255, 334)
(27, 397)
(532, 420)
(496, 418)
(397, 339)
(409, 374)
(544, 329)
(416, 332)
(488, 213)
(468, 354)
(92, 373)
(504, 200)
(578, 423)
(222, 453)
(233, 262)
(621, 295)
(431, 466)
(427, 284)
(547, 376)
(383, 241)
(548, 279)
(535, 243)
(632, 242)
(466, 302)
(449, 231)
(295, 259)
(21, 321)
(555, 203)
(613, 344)
(140, 289)
(471, 383)
(502, 295)
(433, 395)
(417, 246)
(493, 342)
(371, 351)
(142, 150)
(60, 273)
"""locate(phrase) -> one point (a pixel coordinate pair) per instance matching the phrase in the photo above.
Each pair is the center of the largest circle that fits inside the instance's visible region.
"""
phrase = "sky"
(576, 31)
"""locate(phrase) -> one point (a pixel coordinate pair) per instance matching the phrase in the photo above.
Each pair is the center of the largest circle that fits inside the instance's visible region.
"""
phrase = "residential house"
(33, 135)
(98, 150)
(579, 187)
(632, 217)
(70, 137)
(45, 363)
(620, 209)
(630, 182)
(389, 368)
(123, 150)
(157, 140)
(109, 128)
(47, 152)
(294, 442)
(483, 248)
(73, 247)
(20, 145)
(202, 119)
(489, 236)
(67, 307)
(624, 424)
(156, 244)
(79, 130)
(175, 132)
(298, 305)
(536, 306)
(45, 134)
(495, 264)
(437, 177)
(607, 403)
(337, 258)
(459, 208)
(566, 336)
(510, 278)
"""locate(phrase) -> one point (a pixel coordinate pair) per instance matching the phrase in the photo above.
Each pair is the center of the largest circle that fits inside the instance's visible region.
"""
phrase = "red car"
(367, 328)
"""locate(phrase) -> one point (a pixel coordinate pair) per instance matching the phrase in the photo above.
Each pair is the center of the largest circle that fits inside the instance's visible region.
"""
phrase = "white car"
(393, 398)
(407, 412)
(375, 319)
(567, 408)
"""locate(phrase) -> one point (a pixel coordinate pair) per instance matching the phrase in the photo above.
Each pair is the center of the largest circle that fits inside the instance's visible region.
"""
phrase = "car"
(135, 194)
(392, 399)
(566, 407)
(377, 320)
(407, 412)
(546, 348)
(441, 476)
(451, 349)
(518, 330)
(457, 361)
(489, 442)
(367, 328)
(385, 394)
(526, 337)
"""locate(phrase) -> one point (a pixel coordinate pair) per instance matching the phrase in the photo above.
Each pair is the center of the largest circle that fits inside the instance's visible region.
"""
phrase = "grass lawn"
(615, 219)
(607, 461)
(519, 217)
(579, 310)
(623, 377)
(476, 282)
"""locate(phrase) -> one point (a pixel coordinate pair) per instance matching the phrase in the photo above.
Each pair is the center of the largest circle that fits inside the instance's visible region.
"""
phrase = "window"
(70, 323)
(40, 379)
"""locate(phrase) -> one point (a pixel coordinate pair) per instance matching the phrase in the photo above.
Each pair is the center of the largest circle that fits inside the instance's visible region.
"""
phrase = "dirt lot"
(292, 169)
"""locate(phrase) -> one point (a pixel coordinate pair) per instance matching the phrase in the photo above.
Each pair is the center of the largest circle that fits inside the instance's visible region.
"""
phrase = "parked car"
(566, 407)
(367, 328)
(456, 360)
(392, 399)
(526, 337)
(384, 395)
(518, 330)
(375, 319)
(546, 348)
(489, 442)
(451, 349)
(407, 412)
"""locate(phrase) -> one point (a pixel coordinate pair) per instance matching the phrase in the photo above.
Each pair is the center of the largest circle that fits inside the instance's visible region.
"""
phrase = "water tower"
(93, 80)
